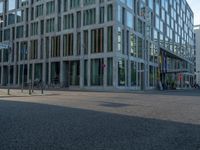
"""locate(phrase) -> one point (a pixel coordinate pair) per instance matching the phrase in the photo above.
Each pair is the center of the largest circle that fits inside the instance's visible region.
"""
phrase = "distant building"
(98, 44)
(197, 52)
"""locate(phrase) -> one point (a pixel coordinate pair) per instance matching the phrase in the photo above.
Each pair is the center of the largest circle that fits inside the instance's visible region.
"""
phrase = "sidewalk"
(60, 91)
(18, 93)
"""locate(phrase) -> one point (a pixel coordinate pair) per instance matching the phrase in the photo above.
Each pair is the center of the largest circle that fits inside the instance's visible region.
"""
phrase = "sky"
(195, 6)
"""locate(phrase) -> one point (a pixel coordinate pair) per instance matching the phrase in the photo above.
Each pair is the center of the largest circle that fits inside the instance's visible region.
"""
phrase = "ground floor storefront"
(99, 73)
(106, 73)
(177, 80)
(175, 72)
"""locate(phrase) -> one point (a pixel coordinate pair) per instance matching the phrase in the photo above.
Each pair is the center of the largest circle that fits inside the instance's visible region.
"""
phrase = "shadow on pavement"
(46, 127)
(113, 105)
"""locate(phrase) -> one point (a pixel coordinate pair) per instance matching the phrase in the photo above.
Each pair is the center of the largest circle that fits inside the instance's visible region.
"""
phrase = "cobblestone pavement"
(69, 120)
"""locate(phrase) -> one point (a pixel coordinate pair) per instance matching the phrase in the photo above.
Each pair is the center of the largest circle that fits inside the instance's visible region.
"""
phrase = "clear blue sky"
(195, 5)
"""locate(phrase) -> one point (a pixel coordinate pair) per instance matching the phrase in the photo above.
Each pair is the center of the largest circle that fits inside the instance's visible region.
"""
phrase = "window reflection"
(11, 5)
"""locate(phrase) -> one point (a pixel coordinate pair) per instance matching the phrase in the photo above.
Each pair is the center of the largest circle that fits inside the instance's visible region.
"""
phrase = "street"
(81, 120)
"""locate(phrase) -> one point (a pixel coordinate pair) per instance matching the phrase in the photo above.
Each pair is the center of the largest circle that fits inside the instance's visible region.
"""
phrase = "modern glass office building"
(99, 44)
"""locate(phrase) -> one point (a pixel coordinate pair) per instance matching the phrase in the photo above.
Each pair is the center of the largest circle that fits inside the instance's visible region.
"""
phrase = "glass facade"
(159, 42)
(131, 44)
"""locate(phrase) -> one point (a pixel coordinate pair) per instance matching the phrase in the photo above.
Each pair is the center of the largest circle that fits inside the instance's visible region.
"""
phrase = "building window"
(157, 22)
(85, 72)
(130, 3)
(34, 28)
(39, 10)
(23, 50)
(42, 48)
(158, 9)
(55, 72)
(151, 52)
(123, 16)
(68, 21)
(34, 49)
(11, 4)
(121, 72)
(74, 4)
(110, 71)
(50, 7)
(85, 42)
(133, 74)
(55, 46)
(59, 24)
(1, 7)
(97, 40)
(120, 40)
(6, 34)
(129, 20)
(78, 44)
(140, 26)
(65, 5)
(150, 3)
(140, 47)
(47, 47)
(88, 2)
(20, 16)
(78, 20)
(74, 72)
(110, 12)
(110, 39)
(151, 76)
(50, 25)
(11, 18)
(133, 45)
(102, 15)
(89, 17)
(20, 31)
(97, 71)
(68, 44)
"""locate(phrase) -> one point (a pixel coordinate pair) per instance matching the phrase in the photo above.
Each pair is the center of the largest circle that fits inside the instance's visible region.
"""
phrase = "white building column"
(89, 73)
(33, 72)
(1, 67)
(105, 72)
(81, 73)
(49, 73)
(18, 84)
(14, 74)
(82, 61)
(49, 62)
(61, 73)
(44, 72)
(89, 59)
(115, 72)
(2, 75)
(129, 73)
